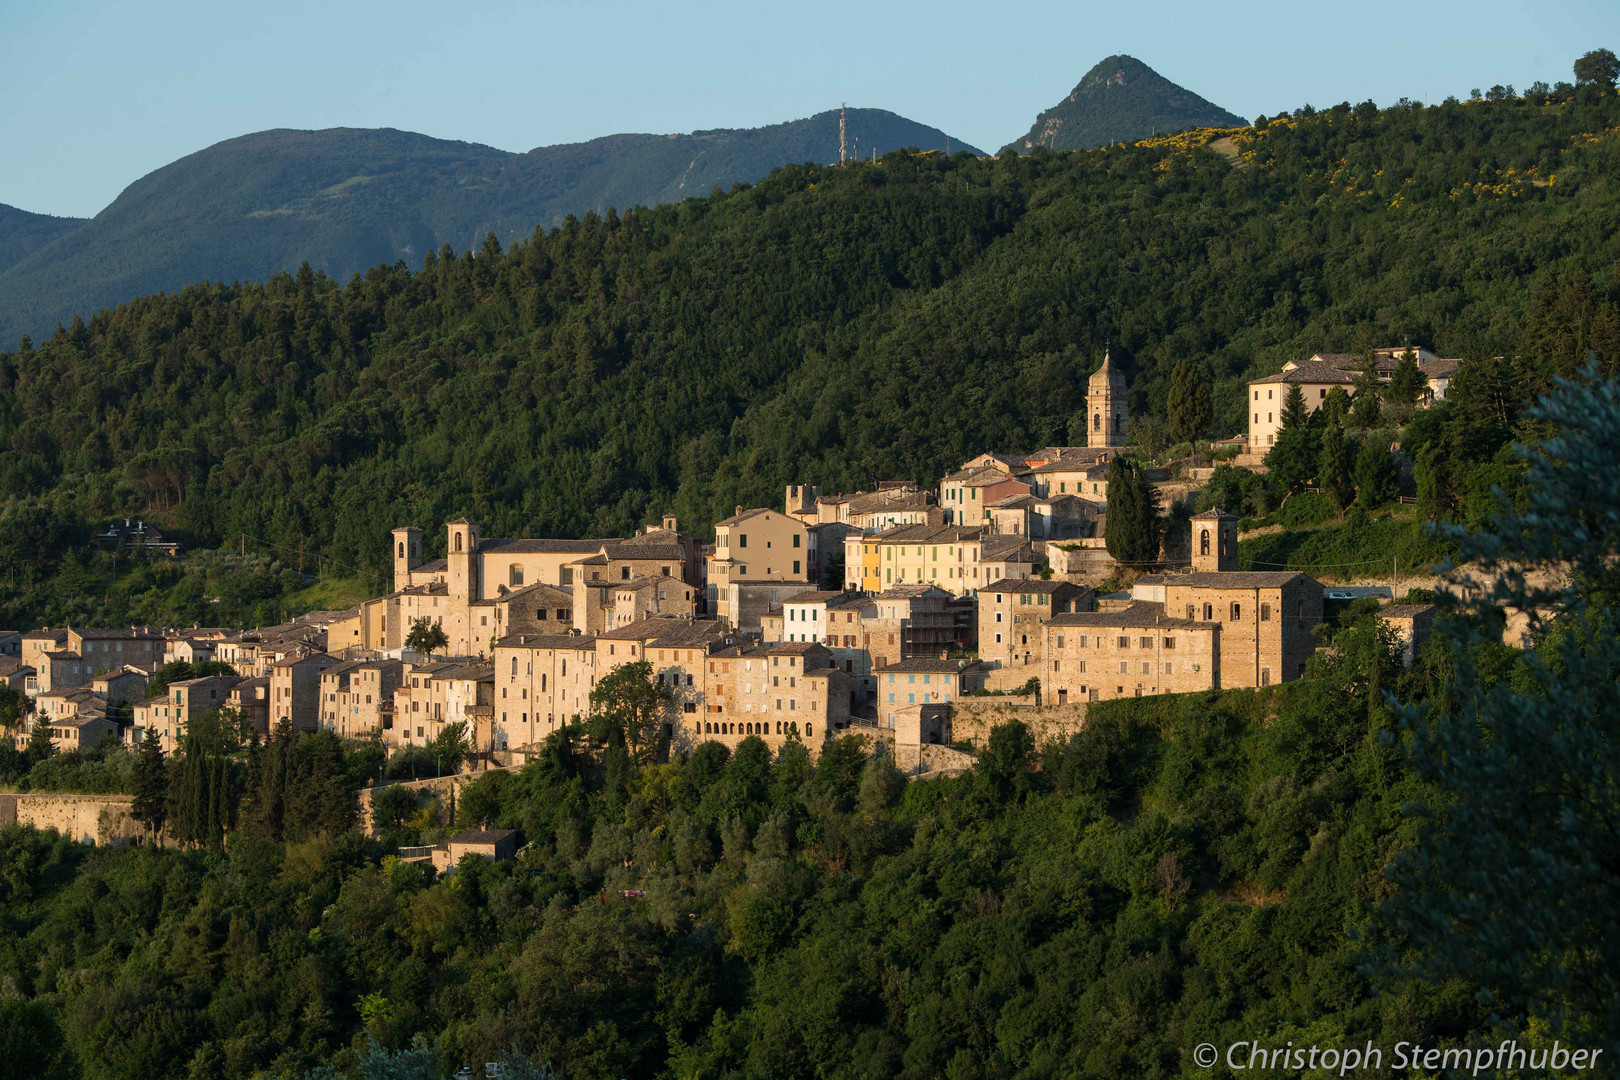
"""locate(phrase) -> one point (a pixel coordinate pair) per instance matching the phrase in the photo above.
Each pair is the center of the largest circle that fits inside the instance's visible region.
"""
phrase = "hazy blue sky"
(96, 93)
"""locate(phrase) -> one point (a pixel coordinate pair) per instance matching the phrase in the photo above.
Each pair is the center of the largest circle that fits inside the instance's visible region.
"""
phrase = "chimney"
(738, 511)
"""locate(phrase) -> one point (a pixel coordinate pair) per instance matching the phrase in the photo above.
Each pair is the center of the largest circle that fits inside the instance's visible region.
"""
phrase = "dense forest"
(828, 325)
(1325, 863)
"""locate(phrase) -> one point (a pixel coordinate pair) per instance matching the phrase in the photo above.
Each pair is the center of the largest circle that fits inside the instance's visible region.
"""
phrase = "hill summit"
(1121, 100)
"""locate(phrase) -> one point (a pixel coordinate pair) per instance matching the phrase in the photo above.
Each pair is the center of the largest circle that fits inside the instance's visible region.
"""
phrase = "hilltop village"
(882, 613)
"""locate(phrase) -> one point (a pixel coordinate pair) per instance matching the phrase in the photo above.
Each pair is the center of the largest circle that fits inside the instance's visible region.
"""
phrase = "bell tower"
(1105, 406)
(407, 555)
(461, 554)
(1214, 542)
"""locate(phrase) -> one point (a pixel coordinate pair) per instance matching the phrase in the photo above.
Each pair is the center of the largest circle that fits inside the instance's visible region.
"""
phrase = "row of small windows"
(783, 727)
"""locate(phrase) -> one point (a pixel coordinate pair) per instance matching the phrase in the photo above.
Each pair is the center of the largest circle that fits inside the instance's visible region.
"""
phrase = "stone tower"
(461, 554)
(1105, 401)
(1214, 542)
(407, 555)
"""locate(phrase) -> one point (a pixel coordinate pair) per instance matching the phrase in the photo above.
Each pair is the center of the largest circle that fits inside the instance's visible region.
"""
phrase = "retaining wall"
(87, 819)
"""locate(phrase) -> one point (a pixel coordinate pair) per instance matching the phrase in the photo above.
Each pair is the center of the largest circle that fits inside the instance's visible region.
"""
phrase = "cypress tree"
(1189, 406)
(1333, 471)
(1132, 529)
(150, 805)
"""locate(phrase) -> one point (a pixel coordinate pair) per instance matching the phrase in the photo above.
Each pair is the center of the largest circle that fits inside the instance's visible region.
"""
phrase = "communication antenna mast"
(842, 146)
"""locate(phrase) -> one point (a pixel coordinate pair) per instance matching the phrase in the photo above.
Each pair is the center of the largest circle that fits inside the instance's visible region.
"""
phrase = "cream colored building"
(755, 546)
(923, 681)
(778, 693)
(1317, 376)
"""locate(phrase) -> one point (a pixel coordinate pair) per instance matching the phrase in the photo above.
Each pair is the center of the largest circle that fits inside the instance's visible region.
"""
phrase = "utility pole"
(842, 145)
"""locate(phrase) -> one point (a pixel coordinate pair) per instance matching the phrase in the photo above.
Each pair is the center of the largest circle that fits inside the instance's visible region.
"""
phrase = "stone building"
(358, 697)
(755, 547)
(543, 682)
(295, 690)
(1105, 403)
(1013, 614)
(923, 681)
(1099, 655)
(779, 693)
(1317, 376)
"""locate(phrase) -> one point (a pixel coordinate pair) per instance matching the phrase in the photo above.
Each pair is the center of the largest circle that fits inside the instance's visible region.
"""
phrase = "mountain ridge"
(346, 199)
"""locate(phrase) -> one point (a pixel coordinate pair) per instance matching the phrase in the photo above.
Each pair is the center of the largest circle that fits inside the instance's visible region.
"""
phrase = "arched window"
(1203, 542)
(1096, 422)
(402, 549)
(458, 541)
(514, 575)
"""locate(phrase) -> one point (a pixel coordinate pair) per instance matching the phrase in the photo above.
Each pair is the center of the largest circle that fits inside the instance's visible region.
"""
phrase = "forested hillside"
(828, 325)
(346, 199)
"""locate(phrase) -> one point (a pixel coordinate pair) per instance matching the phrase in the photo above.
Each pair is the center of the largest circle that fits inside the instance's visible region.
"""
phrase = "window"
(795, 539)
(1124, 642)
(1203, 541)
(1124, 667)
(1237, 612)
(1060, 641)
(1147, 642)
(795, 562)
(1147, 668)
(1082, 667)
(742, 540)
(1167, 670)
(1192, 611)
(1209, 612)
(1265, 612)
(1265, 676)
(514, 575)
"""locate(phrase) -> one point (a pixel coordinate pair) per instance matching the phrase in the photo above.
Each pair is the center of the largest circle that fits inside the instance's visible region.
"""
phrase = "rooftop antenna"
(842, 145)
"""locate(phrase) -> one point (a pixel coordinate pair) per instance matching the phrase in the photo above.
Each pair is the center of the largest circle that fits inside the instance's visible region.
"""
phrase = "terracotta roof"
(793, 648)
(1074, 460)
(1142, 614)
(745, 515)
(909, 592)
(431, 567)
(630, 549)
(1309, 371)
(919, 665)
(1029, 585)
(668, 632)
(1239, 579)
(473, 672)
(543, 547)
(1440, 369)
(820, 596)
(10, 665)
(1003, 547)
(114, 634)
(481, 836)
(547, 641)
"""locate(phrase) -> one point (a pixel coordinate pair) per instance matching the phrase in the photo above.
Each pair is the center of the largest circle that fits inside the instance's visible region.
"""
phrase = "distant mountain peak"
(1121, 99)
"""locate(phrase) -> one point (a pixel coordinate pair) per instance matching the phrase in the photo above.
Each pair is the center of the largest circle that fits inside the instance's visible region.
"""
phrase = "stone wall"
(87, 819)
(972, 718)
(439, 786)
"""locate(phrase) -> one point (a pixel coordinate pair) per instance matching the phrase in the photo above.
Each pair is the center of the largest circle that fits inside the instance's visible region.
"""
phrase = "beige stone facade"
(295, 690)
(1105, 404)
(921, 681)
(357, 697)
(1013, 614)
(755, 546)
(778, 693)
(1097, 656)
(543, 682)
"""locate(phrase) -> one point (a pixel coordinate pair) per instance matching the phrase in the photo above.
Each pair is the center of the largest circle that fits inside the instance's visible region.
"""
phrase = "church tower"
(407, 555)
(1105, 401)
(1214, 542)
